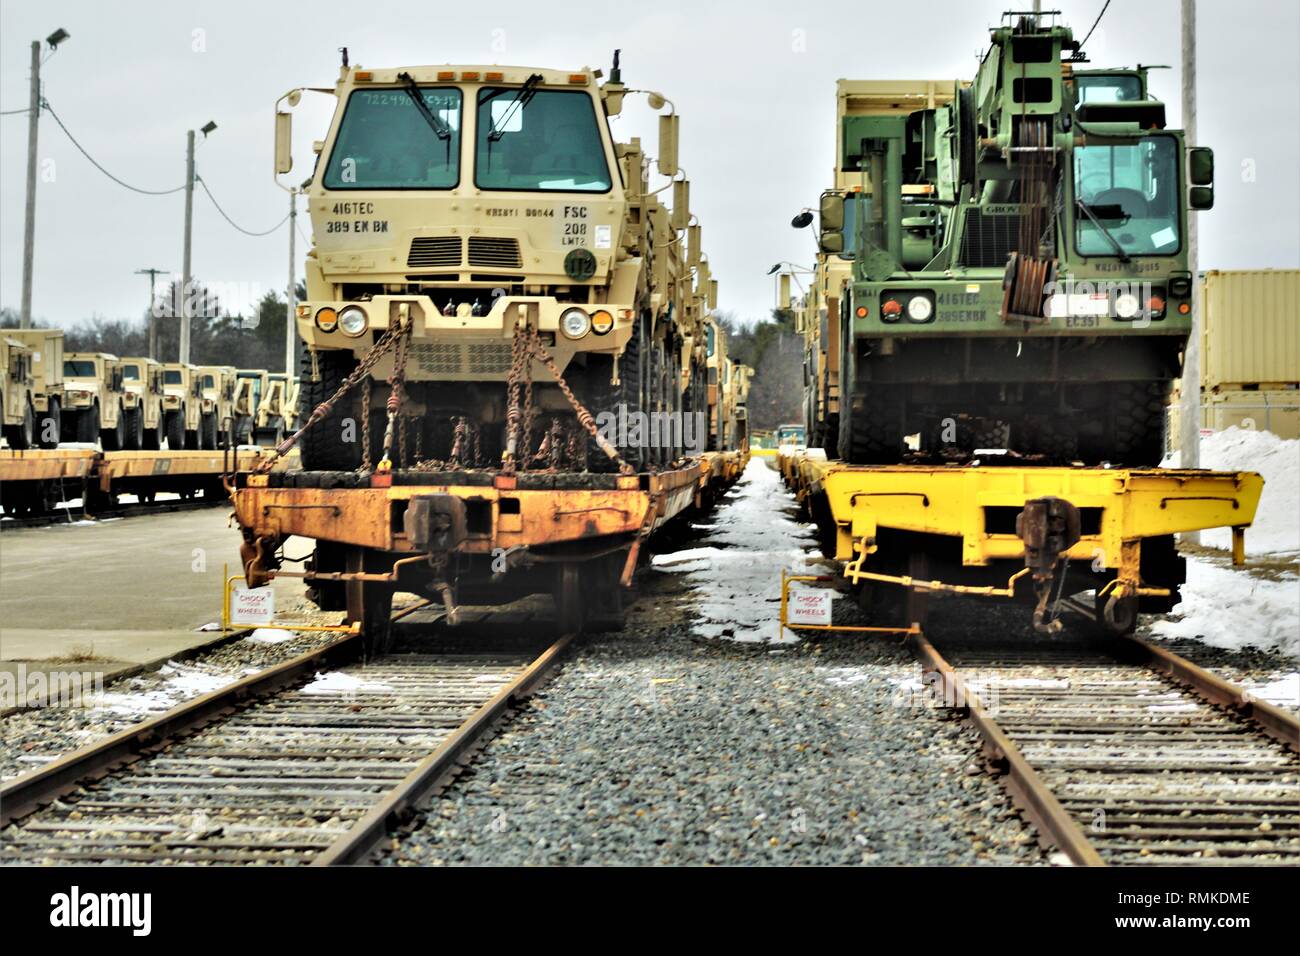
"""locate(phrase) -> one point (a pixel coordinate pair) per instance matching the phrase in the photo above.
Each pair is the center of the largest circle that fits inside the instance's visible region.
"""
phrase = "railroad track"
(69, 515)
(310, 762)
(1123, 753)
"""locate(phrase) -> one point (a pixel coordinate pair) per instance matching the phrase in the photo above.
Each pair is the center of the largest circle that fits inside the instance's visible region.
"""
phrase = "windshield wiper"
(522, 98)
(1119, 250)
(412, 89)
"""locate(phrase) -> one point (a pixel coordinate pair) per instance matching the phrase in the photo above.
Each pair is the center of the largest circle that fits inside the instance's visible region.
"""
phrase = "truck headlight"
(920, 308)
(1126, 305)
(575, 323)
(602, 322)
(353, 321)
(327, 320)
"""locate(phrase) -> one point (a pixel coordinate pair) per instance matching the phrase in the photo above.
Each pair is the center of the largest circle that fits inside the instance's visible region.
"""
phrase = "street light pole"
(1189, 412)
(186, 278)
(29, 222)
(152, 317)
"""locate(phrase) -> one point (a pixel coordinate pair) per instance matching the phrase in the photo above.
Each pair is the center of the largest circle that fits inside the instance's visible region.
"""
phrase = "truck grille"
(988, 240)
(495, 251)
(452, 358)
(434, 251)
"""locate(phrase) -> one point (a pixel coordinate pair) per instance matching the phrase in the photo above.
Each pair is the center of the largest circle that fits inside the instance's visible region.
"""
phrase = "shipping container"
(1252, 329)
(1273, 410)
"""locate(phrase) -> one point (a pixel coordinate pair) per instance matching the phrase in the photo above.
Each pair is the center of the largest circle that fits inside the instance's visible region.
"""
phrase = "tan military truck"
(94, 400)
(250, 386)
(46, 346)
(217, 409)
(142, 379)
(469, 203)
(182, 405)
(277, 411)
(17, 400)
(718, 370)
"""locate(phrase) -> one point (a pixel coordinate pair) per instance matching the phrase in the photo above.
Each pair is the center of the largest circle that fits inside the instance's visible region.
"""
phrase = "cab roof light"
(445, 75)
(494, 77)
(469, 76)
(578, 79)
(363, 76)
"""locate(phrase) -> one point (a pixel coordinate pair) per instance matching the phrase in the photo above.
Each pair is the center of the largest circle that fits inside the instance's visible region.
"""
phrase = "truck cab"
(94, 399)
(217, 407)
(182, 405)
(250, 385)
(17, 401)
(143, 383)
(46, 346)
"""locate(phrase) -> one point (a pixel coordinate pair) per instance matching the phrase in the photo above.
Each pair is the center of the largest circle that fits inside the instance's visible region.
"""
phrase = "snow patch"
(1232, 609)
(269, 635)
(337, 682)
(181, 683)
(1276, 529)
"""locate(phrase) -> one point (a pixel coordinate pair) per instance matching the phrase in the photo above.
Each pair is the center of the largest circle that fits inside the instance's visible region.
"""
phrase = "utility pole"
(29, 223)
(153, 318)
(186, 278)
(1189, 439)
(290, 323)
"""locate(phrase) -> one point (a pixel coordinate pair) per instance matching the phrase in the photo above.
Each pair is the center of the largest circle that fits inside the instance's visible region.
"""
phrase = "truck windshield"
(1132, 193)
(79, 368)
(209, 382)
(131, 373)
(172, 376)
(1108, 88)
(548, 142)
(384, 142)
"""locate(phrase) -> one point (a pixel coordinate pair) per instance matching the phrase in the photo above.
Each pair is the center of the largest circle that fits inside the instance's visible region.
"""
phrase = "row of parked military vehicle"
(51, 397)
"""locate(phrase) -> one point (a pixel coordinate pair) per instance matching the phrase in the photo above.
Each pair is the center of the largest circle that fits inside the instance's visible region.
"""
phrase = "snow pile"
(736, 572)
(1284, 692)
(1227, 608)
(180, 683)
(337, 682)
(1277, 523)
(269, 635)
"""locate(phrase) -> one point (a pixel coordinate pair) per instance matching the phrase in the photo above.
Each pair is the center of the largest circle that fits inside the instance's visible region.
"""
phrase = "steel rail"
(1027, 788)
(439, 768)
(29, 792)
(1277, 723)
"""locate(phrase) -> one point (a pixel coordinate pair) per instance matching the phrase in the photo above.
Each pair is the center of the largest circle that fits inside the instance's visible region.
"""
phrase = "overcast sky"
(754, 83)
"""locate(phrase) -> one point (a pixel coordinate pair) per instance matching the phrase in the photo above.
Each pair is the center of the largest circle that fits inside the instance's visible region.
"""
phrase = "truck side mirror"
(283, 142)
(785, 291)
(832, 242)
(831, 238)
(1201, 197)
(668, 144)
(1200, 166)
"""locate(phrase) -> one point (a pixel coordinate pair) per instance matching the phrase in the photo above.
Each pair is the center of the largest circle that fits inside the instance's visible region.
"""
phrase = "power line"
(147, 192)
(12, 112)
(247, 232)
(1095, 22)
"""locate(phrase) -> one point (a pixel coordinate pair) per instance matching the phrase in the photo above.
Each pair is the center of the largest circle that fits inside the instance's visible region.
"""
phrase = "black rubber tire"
(88, 425)
(323, 446)
(133, 419)
(874, 434)
(175, 429)
(244, 430)
(153, 437)
(54, 416)
(598, 395)
(208, 431)
(23, 435)
(1133, 422)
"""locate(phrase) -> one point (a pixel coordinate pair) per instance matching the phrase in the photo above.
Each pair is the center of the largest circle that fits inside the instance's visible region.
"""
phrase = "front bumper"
(467, 347)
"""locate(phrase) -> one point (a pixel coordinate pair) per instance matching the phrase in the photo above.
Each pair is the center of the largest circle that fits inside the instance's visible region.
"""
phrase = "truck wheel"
(871, 434)
(323, 447)
(88, 425)
(175, 428)
(50, 424)
(134, 429)
(598, 395)
(22, 435)
(114, 439)
(208, 431)
(151, 438)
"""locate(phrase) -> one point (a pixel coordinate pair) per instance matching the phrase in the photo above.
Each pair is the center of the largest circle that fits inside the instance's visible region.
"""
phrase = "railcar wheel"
(569, 611)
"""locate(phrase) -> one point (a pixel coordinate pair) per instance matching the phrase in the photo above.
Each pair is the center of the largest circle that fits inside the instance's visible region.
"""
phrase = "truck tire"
(88, 425)
(208, 431)
(134, 422)
(152, 439)
(872, 434)
(322, 446)
(114, 439)
(1133, 422)
(51, 423)
(598, 395)
(175, 428)
(22, 436)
